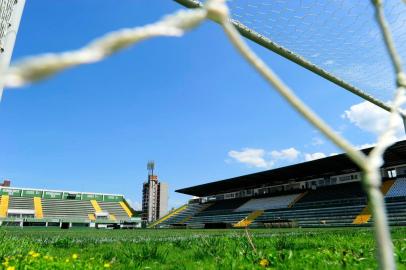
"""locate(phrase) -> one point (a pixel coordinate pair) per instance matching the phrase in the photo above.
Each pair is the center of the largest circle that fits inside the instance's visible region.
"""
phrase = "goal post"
(10, 16)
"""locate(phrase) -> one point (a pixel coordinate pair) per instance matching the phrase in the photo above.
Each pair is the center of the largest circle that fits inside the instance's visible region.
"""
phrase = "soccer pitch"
(38, 248)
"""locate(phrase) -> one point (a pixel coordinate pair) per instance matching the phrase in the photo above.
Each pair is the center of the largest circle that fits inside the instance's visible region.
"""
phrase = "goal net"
(337, 39)
(10, 14)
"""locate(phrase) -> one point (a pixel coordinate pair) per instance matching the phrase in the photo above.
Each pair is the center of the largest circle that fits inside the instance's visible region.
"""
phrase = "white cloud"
(371, 118)
(252, 157)
(260, 158)
(313, 156)
(289, 154)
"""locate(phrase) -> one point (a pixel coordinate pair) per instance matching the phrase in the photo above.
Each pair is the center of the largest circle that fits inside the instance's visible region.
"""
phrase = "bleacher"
(335, 192)
(22, 203)
(329, 206)
(32, 206)
(396, 202)
(181, 217)
(305, 217)
(199, 221)
(54, 208)
(225, 205)
(268, 203)
(314, 217)
(115, 209)
(396, 210)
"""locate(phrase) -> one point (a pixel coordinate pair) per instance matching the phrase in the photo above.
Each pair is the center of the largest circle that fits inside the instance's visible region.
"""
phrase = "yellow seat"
(38, 207)
(249, 219)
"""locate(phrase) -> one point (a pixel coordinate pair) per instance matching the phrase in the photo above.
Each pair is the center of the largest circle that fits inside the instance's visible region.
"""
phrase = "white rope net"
(6, 9)
(8, 32)
(362, 42)
(340, 36)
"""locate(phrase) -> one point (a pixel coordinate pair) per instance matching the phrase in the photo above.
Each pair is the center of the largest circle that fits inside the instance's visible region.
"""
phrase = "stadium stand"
(320, 193)
(365, 214)
(247, 221)
(268, 203)
(168, 216)
(54, 208)
(225, 205)
(336, 192)
(21, 203)
(339, 210)
(116, 209)
(20, 206)
(181, 215)
(39, 213)
(4, 205)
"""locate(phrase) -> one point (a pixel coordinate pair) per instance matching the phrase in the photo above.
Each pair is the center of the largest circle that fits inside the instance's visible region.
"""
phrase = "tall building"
(154, 196)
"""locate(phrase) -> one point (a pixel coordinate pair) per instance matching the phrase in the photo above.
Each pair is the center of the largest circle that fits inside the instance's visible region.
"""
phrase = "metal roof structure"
(325, 167)
(60, 191)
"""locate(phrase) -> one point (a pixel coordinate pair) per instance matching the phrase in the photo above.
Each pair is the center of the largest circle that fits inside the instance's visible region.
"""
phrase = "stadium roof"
(334, 165)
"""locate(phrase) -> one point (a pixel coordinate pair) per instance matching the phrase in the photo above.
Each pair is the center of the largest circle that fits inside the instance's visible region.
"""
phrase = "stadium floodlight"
(151, 167)
(322, 37)
(10, 16)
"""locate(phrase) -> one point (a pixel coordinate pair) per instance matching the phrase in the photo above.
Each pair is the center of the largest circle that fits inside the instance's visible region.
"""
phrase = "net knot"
(217, 10)
(401, 79)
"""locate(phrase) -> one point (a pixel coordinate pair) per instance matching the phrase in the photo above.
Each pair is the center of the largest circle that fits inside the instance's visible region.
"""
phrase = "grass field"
(38, 248)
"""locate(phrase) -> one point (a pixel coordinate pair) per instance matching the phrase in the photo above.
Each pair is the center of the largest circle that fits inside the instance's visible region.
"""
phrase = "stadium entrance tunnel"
(218, 225)
(65, 225)
(80, 225)
(34, 224)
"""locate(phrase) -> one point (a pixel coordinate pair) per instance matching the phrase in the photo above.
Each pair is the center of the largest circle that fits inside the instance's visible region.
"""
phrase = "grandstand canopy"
(334, 165)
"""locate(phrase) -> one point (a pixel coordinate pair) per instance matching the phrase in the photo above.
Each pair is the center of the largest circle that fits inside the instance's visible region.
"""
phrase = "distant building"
(154, 196)
(6, 183)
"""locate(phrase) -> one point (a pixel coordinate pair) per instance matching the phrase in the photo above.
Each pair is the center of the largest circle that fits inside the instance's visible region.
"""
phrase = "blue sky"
(191, 104)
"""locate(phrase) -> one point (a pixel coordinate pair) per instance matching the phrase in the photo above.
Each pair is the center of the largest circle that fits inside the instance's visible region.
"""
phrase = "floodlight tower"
(11, 12)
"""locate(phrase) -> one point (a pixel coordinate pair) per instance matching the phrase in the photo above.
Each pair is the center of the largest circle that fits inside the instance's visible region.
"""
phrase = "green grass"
(38, 248)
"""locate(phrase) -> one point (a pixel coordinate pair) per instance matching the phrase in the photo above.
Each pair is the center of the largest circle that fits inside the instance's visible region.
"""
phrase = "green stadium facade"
(65, 209)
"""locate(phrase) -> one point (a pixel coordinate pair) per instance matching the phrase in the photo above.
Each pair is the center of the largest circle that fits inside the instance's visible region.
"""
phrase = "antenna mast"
(150, 167)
